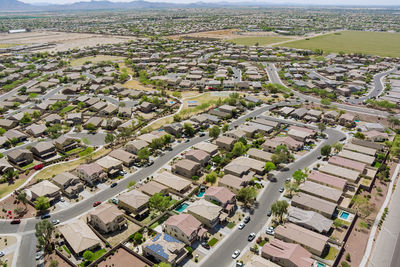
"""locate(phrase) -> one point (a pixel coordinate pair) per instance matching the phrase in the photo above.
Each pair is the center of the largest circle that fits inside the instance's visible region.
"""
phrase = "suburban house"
(198, 156)
(135, 146)
(91, 173)
(186, 168)
(287, 254)
(20, 157)
(309, 219)
(222, 196)
(44, 189)
(312, 241)
(308, 202)
(258, 154)
(110, 165)
(175, 183)
(5, 166)
(125, 157)
(107, 218)
(65, 143)
(184, 227)
(206, 212)
(69, 184)
(164, 248)
(225, 142)
(44, 150)
(207, 147)
(36, 130)
(321, 191)
(152, 188)
(134, 202)
(80, 237)
(349, 175)
(232, 182)
(328, 180)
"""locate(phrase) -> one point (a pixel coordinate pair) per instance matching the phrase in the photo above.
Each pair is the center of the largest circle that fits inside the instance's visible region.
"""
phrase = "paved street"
(238, 240)
(387, 246)
(27, 226)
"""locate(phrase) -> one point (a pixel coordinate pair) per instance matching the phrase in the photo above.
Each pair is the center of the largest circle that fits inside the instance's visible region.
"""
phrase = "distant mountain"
(13, 5)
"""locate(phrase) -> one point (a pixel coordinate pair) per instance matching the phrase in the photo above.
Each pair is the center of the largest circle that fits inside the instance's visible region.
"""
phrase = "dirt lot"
(62, 40)
(119, 236)
(55, 257)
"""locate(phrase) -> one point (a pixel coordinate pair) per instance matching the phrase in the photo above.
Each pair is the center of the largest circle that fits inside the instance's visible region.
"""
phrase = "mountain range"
(18, 6)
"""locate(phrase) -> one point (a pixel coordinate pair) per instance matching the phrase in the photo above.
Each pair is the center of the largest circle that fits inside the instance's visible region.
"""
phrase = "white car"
(55, 222)
(288, 179)
(241, 226)
(236, 254)
(270, 231)
(1, 253)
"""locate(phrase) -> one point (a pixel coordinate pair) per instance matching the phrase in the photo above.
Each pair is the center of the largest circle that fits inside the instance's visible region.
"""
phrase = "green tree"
(90, 127)
(321, 127)
(214, 132)
(88, 255)
(137, 238)
(26, 119)
(167, 138)
(159, 202)
(156, 143)
(291, 187)
(326, 150)
(131, 184)
(109, 138)
(211, 177)
(326, 102)
(247, 195)
(337, 147)
(359, 135)
(44, 231)
(53, 263)
(144, 154)
(269, 166)
(188, 129)
(299, 176)
(279, 208)
(42, 203)
(177, 118)
(225, 127)
(23, 198)
(238, 149)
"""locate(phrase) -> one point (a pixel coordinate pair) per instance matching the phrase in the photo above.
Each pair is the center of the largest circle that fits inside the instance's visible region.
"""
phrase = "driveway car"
(251, 237)
(281, 190)
(236, 254)
(1, 254)
(95, 204)
(16, 221)
(269, 213)
(241, 226)
(205, 245)
(270, 230)
(247, 219)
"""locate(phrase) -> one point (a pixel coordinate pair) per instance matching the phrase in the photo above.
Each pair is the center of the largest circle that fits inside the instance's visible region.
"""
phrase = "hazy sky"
(318, 2)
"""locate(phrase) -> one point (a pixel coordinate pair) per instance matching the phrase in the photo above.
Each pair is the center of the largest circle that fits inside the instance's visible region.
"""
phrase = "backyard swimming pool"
(181, 207)
(200, 194)
(344, 215)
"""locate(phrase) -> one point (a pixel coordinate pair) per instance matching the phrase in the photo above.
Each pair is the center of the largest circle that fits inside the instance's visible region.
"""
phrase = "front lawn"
(230, 225)
(86, 152)
(212, 242)
(26, 167)
(331, 254)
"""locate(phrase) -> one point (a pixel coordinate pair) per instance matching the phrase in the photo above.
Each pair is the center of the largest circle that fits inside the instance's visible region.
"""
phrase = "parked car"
(55, 222)
(95, 204)
(247, 219)
(343, 138)
(269, 213)
(45, 216)
(241, 226)
(113, 185)
(2, 253)
(236, 254)
(270, 231)
(281, 189)
(251, 236)
(202, 134)
(38, 255)
(38, 167)
(62, 199)
(288, 179)
(16, 221)
(239, 264)
(205, 245)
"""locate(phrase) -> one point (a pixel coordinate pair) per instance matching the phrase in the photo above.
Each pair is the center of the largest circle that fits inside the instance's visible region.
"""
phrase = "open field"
(219, 34)
(261, 40)
(372, 43)
(62, 40)
(5, 188)
(7, 45)
(94, 59)
(48, 173)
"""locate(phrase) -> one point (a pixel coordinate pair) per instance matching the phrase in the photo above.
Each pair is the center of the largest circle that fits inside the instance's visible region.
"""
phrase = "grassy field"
(371, 43)
(5, 188)
(95, 59)
(261, 40)
(7, 45)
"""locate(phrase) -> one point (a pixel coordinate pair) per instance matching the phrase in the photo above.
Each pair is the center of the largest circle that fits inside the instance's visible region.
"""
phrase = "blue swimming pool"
(200, 194)
(344, 215)
(181, 207)
(320, 264)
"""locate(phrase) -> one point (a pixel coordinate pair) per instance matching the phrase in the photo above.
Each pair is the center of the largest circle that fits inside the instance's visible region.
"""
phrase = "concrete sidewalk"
(387, 246)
